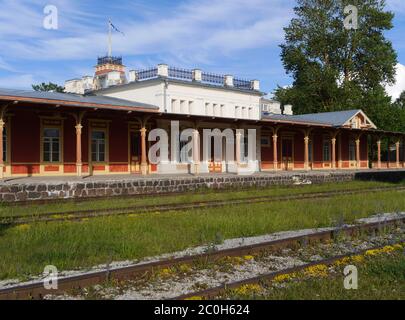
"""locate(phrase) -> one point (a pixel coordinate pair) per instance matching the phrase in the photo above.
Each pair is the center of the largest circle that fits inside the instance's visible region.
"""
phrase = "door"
(214, 166)
(287, 154)
(135, 151)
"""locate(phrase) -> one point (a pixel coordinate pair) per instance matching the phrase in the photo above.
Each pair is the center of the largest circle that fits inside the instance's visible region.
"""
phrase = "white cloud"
(398, 6)
(395, 90)
(23, 81)
(202, 29)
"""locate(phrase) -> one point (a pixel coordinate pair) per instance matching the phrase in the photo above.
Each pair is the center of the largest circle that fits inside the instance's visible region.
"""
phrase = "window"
(5, 143)
(251, 113)
(222, 110)
(326, 150)
(245, 148)
(98, 146)
(174, 106)
(244, 114)
(352, 150)
(51, 145)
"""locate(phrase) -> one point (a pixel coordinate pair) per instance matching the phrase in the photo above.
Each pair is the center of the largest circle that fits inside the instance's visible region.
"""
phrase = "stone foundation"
(15, 192)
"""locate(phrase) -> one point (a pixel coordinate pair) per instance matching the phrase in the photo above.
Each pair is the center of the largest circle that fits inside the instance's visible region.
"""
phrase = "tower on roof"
(109, 69)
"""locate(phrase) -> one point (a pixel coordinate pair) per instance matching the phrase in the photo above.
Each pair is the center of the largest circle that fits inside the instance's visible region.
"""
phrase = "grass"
(208, 195)
(27, 249)
(379, 278)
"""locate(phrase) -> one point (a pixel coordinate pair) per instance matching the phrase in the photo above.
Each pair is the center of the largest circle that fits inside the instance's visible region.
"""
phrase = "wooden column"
(306, 152)
(79, 163)
(333, 140)
(379, 153)
(237, 146)
(358, 162)
(275, 156)
(397, 144)
(144, 162)
(2, 123)
(196, 151)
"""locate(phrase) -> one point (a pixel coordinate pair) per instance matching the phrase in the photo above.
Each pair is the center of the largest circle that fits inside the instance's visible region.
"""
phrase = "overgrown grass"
(27, 249)
(207, 195)
(379, 278)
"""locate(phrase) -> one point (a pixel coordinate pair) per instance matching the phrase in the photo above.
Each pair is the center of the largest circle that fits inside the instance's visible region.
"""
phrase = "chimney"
(132, 76)
(228, 81)
(163, 70)
(74, 86)
(288, 110)
(197, 75)
(275, 107)
(87, 83)
(255, 85)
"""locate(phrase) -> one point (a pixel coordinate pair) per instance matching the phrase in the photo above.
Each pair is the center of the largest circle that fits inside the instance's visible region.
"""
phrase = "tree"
(401, 101)
(334, 68)
(47, 87)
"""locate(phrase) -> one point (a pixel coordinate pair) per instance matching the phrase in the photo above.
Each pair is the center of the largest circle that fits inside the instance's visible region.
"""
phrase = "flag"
(116, 29)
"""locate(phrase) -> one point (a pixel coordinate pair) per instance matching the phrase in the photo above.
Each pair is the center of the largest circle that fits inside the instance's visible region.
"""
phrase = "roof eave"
(77, 104)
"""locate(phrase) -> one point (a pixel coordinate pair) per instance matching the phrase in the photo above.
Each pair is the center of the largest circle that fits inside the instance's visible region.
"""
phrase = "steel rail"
(36, 289)
(211, 293)
(142, 209)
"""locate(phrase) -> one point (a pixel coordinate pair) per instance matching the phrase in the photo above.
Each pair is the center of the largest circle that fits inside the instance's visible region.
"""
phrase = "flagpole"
(109, 39)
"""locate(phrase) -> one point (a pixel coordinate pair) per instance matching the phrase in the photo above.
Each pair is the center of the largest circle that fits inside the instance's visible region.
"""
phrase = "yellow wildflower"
(318, 270)
(185, 268)
(398, 246)
(23, 227)
(248, 289)
(372, 252)
(248, 258)
(194, 298)
(284, 277)
(358, 259)
(342, 262)
(387, 249)
(165, 272)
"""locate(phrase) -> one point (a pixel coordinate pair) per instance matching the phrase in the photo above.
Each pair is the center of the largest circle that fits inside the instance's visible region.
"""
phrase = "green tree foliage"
(401, 101)
(47, 87)
(338, 69)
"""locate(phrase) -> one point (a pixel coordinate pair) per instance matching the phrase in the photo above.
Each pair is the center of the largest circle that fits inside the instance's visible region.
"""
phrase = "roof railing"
(111, 60)
(146, 74)
(193, 76)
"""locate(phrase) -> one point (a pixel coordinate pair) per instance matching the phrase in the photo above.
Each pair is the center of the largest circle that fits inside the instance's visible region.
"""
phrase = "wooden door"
(135, 151)
(287, 153)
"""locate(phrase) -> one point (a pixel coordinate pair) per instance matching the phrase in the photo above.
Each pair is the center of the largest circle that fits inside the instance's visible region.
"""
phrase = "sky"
(235, 37)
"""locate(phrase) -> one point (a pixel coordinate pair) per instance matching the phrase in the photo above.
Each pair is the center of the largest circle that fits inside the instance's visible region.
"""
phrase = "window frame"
(105, 132)
(352, 143)
(99, 125)
(49, 123)
(326, 142)
(7, 142)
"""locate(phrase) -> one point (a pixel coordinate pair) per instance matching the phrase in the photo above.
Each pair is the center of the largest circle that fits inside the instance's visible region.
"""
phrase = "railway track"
(94, 213)
(36, 290)
(212, 293)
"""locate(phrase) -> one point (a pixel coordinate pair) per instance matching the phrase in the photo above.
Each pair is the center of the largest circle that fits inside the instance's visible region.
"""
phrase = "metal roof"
(335, 119)
(73, 99)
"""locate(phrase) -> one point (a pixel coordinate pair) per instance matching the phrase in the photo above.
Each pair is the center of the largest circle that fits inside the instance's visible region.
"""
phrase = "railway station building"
(100, 125)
